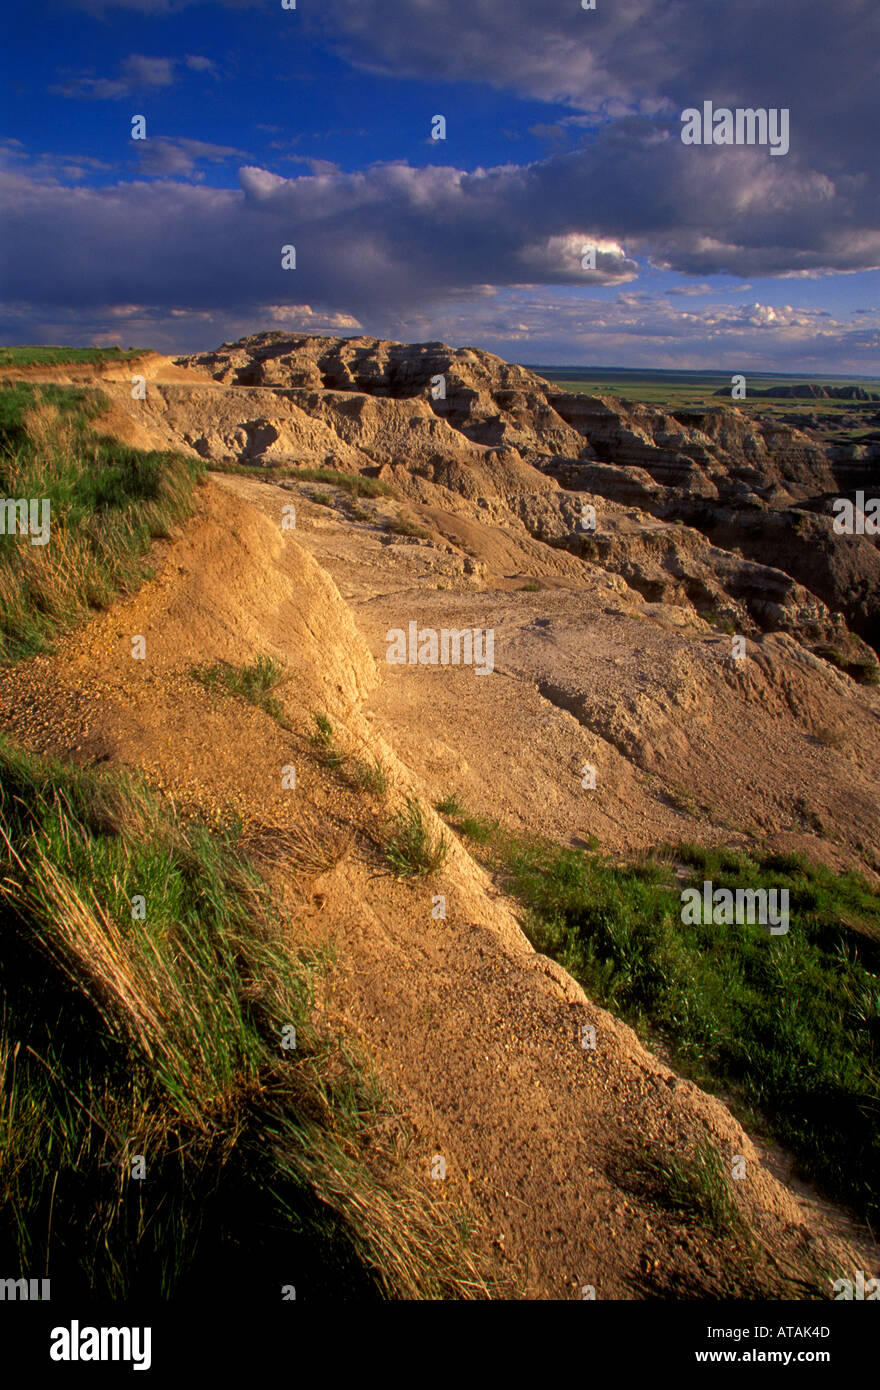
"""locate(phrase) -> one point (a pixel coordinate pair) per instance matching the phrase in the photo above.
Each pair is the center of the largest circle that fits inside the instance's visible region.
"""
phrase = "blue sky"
(311, 127)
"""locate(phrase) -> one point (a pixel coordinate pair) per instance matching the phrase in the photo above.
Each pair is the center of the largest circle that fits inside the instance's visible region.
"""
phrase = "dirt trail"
(477, 1035)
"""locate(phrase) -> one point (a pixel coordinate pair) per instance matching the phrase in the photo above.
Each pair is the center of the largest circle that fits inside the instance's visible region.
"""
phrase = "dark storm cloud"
(818, 57)
(394, 235)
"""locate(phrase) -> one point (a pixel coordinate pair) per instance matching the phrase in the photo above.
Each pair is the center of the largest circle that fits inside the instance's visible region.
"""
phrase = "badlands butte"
(616, 551)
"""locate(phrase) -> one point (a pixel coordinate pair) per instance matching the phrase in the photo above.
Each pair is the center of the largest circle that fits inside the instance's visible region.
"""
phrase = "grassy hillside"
(53, 356)
(108, 502)
(789, 1025)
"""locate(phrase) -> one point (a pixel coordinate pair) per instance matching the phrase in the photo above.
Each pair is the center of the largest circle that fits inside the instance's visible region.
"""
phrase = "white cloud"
(137, 73)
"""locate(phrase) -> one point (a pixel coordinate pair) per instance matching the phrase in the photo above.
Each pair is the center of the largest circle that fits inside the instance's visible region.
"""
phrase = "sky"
(313, 127)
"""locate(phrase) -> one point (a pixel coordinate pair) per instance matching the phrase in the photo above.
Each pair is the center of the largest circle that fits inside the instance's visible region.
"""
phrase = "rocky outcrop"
(717, 492)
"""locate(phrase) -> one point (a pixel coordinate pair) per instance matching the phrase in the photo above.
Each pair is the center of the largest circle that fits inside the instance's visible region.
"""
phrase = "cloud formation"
(165, 156)
(137, 73)
(382, 244)
(394, 235)
(395, 248)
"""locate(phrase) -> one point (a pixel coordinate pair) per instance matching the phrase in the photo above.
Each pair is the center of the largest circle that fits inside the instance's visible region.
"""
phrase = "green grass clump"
(480, 829)
(108, 503)
(697, 1187)
(323, 735)
(714, 619)
(49, 356)
(483, 830)
(156, 1004)
(324, 739)
(412, 850)
(253, 683)
(372, 776)
(865, 672)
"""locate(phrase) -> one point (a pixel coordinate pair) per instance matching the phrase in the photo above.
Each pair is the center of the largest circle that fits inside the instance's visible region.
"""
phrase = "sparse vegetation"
(108, 502)
(686, 801)
(357, 484)
(324, 739)
(480, 829)
(253, 683)
(714, 619)
(862, 669)
(148, 977)
(405, 526)
(157, 1005)
(372, 776)
(412, 850)
(697, 1186)
(323, 735)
